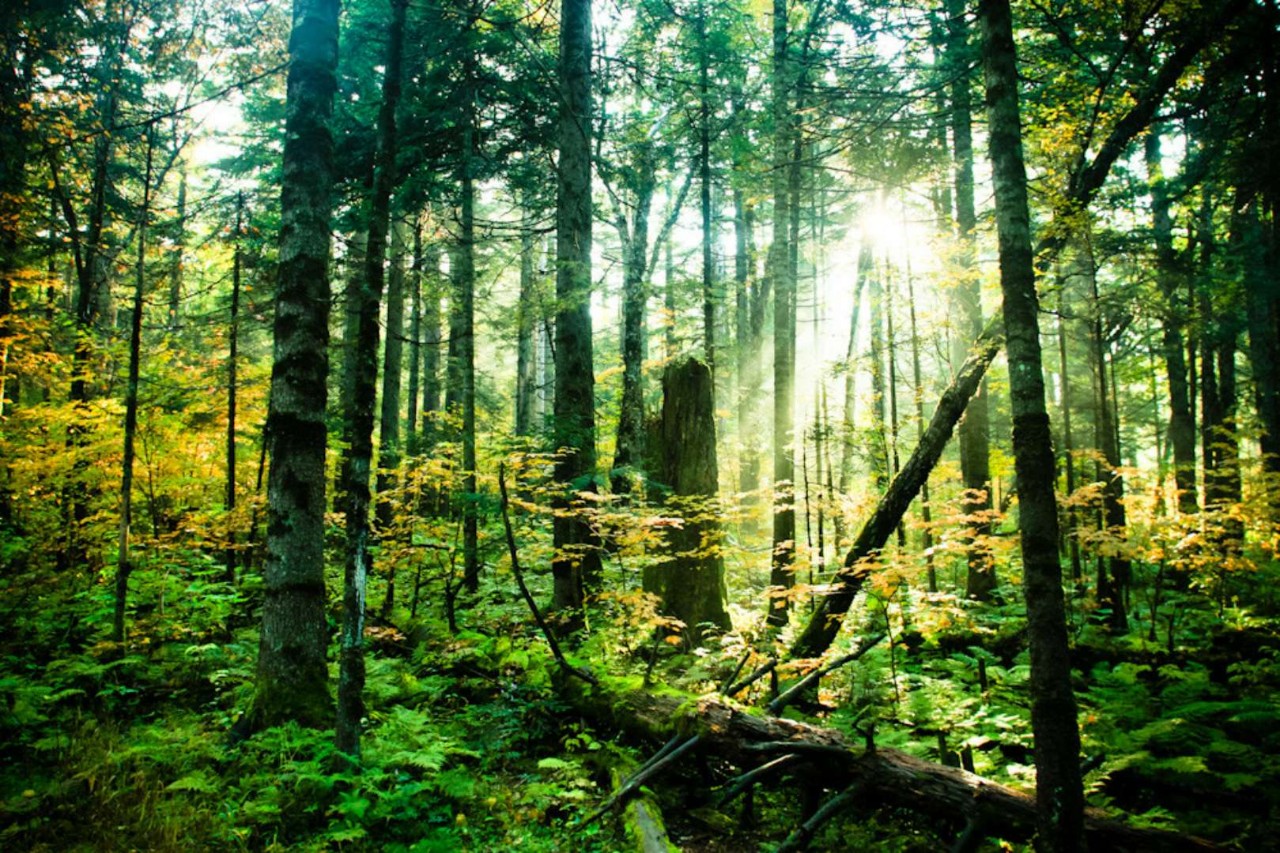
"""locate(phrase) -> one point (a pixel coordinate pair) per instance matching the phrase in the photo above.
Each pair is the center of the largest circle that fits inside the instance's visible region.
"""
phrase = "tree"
(1059, 793)
(359, 410)
(576, 558)
(292, 678)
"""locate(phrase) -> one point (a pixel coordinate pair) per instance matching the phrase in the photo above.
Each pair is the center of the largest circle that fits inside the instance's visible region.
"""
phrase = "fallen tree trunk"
(824, 624)
(881, 776)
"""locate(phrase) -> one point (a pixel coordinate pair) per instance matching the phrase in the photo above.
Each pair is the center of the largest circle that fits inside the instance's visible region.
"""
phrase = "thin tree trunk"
(358, 460)
(526, 328)
(179, 252)
(233, 338)
(124, 567)
(926, 512)
(1068, 445)
(781, 575)
(966, 302)
(1059, 793)
(467, 331)
(414, 390)
(704, 168)
(431, 341)
(389, 420)
(1112, 588)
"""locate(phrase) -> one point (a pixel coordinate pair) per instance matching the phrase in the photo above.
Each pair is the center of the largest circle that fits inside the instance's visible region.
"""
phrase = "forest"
(655, 425)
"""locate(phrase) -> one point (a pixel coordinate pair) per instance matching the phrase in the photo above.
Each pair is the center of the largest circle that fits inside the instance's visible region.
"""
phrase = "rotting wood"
(888, 776)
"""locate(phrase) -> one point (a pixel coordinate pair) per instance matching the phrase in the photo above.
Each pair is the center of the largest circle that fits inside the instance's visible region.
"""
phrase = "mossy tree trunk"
(292, 679)
(690, 581)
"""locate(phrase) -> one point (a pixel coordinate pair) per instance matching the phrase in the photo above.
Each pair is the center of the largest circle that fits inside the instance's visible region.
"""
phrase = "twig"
(751, 679)
(746, 780)
(653, 768)
(524, 590)
(799, 839)
(803, 684)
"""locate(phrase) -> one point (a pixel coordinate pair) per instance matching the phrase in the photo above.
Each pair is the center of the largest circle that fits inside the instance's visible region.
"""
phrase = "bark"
(1068, 443)
(179, 251)
(629, 456)
(781, 271)
(828, 759)
(292, 678)
(824, 624)
(1112, 588)
(233, 352)
(389, 445)
(414, 390)
(704, 185)
(466, 331)
(526, 332)
(1182, 437)
(1262, 288)
(431, 339)
(577, 560)
(879, 438)
(359, 411)
(966, 301)
(848, 436)
(750, 297)
(1059, 794)
(690, 581)
(124, 567)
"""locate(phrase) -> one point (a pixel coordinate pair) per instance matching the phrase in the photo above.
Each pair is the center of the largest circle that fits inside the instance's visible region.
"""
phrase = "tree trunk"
(1059, 794)
(1182, 431)
(629, 455)
(577, 560)
(782, 571)
(358, 459)
(413, 393)
(292, 678)
(124, 567)
(389, 416)
(526, 331)
(1112, 588)
(966, 305)
(824, 623)
(690, 581)
(466, 330)
(1262, 287)
(179, 251)
(704, 184)
(431, 339)
(233, 339)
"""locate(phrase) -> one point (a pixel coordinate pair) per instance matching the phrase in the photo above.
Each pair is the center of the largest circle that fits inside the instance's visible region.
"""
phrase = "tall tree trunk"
(848, 426)
(1059, 794)
(179, 252)
(1262, 287)
(1068, 444)
(389, 418)
(431, 340)
(467, 333)
(358, 460)
(1182, 436)
(879, 389)
(526, 330)
(414, 391)
(292, 678)
(629, 455)
(124, 567)
(917, 381)
(1112, 588)
(690, 581)
(577, 559)
(233, 350)
(749, 314)
(782, 571)
(966, 303)
(704, 184)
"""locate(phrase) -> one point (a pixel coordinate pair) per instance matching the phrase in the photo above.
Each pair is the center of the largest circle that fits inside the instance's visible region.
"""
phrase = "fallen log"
(880, 776)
